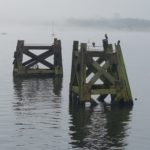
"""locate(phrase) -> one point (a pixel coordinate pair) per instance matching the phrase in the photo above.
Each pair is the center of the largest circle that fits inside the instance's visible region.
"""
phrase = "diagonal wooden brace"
(104, 72)
(41, 56)
(38, 59)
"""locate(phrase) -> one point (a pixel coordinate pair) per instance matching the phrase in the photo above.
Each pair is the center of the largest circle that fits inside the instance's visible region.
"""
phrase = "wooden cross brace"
(101, 71)
(38, 58)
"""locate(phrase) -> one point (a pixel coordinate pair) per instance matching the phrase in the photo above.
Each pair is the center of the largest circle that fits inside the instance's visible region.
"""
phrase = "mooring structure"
(99, 72)
(30, 67)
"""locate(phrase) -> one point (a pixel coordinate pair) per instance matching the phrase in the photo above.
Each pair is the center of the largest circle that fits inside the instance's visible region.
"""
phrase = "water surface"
(35, 113)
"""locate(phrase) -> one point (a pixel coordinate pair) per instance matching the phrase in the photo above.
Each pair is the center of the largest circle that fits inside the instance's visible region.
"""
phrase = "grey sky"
(45, 11)
(74, 8)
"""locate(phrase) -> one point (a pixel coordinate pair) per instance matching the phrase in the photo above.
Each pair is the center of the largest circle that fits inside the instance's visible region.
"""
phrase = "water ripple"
(99, 128)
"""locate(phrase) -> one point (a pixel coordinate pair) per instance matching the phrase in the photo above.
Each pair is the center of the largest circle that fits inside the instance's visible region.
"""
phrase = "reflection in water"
(100, 127)
(117, 127)
(37, 108)
(34, 86)
(57, 83)
(40, 120)
(80, 118)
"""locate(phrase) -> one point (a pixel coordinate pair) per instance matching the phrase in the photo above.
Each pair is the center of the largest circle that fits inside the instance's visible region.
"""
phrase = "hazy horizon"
(101, 14)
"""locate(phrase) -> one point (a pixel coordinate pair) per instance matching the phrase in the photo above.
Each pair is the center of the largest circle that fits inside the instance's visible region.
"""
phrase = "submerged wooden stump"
(27, 68)
(105, 65)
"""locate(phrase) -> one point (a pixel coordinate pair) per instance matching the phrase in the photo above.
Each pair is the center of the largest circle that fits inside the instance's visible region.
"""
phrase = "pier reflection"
(37, 108)
(78, 129)
(100, 127)
(30, 87)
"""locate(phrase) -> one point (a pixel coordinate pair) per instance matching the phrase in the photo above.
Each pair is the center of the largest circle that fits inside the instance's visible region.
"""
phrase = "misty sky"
(46, 11)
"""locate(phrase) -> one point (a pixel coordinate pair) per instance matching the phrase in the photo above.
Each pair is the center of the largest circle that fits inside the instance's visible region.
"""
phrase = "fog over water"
(97, 13)
(35, 113)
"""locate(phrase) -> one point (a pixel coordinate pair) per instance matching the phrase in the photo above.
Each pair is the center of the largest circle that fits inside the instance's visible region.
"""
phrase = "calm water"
(35, 113)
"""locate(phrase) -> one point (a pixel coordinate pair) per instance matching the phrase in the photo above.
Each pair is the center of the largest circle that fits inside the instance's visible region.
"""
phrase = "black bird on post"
(118, 43)
(106, 37)
(93, 44)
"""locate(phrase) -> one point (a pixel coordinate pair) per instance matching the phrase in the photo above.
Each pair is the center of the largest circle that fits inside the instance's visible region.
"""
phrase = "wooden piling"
(26, 68)
(109, 67)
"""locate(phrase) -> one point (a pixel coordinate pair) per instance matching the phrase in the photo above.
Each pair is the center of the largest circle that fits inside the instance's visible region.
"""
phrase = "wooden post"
(83, 88)
(125, 95)
(74, 70)
(18, 57)
(74, 62)
(58, 57)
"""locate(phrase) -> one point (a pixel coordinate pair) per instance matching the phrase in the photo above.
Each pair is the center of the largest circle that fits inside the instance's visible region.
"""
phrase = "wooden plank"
(74, 63)
(92, 69)
(98, 74)
(105, 74)
(44, 62)
(82, 72)
(73, 78)
(19, 54)
(48, 64)
(103, 91)
(96, 53)
(94, 78)
(41, 56)
(99, 54)
(123, 74)
(57, 53)
(60, 54)
(37, 47)
(34, 72)
(98, 86)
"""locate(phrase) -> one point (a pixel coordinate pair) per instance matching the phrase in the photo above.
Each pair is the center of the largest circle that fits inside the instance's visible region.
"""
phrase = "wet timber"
(106, 65)
(27, 68)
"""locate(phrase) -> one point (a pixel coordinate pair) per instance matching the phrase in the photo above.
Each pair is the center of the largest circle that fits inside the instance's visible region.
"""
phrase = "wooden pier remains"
(26, 68)
(105, 65)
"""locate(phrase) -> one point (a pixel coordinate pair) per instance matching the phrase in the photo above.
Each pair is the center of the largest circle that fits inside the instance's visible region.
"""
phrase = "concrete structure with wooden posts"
(106, 65)
(27, 68)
